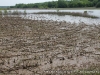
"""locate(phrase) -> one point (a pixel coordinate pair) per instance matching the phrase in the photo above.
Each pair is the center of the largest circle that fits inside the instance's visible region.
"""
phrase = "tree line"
(60, 4)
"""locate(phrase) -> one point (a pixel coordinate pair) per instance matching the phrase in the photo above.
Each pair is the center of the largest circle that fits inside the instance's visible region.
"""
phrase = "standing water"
(67, 18)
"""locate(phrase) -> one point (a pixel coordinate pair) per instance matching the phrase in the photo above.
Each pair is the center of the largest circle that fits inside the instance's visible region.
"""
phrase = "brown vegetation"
(33, 47)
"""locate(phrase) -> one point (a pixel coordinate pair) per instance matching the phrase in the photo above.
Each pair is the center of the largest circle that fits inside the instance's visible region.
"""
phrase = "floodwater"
(67, 18)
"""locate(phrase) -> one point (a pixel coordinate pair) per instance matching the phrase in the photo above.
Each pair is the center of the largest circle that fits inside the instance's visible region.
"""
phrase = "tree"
(25, 6)
(19, 5)
(95, 2)
(62, 4)
(80, 4)
(98, 5)
(49, 4)
(70, 4)
(90, 0)
(36, 5)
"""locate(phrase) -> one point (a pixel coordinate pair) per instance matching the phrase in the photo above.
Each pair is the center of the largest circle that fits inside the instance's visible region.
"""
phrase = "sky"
(13, 2)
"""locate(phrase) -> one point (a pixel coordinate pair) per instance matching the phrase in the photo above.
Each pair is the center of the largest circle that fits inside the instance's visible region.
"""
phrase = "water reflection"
(67, 18)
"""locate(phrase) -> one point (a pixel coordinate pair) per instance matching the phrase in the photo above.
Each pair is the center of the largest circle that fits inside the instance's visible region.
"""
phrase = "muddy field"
(38, 47)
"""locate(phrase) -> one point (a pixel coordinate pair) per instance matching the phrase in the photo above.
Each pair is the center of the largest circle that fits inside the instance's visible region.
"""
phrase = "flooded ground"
(36, 47)
(67, 18)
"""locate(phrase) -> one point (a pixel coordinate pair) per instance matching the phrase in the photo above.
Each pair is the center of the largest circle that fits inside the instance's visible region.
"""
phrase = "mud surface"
(31, 47)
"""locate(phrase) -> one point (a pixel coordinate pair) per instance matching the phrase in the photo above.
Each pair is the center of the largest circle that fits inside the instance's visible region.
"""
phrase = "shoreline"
(84, 8)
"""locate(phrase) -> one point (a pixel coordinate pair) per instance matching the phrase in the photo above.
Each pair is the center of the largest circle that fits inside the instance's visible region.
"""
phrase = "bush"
(98, 5)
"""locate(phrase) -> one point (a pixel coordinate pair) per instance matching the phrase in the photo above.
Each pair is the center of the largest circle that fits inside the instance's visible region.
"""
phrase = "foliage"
(98, 4)
(60, 4)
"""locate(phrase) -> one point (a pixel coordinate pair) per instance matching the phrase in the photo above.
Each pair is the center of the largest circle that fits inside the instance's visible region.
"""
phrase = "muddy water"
(66, 18)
